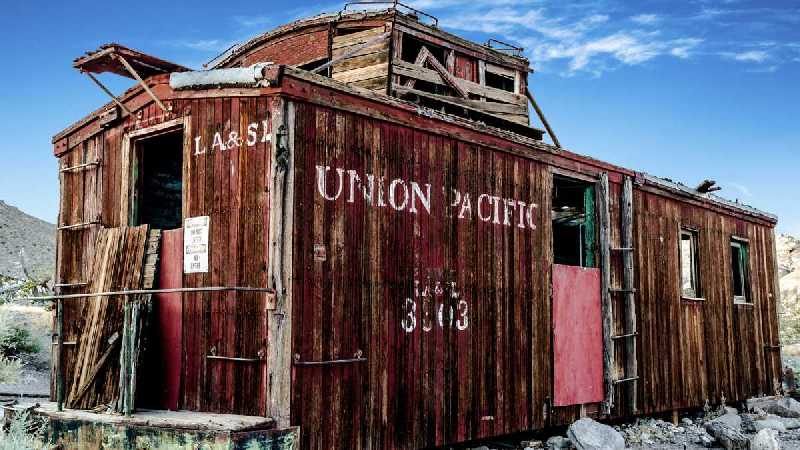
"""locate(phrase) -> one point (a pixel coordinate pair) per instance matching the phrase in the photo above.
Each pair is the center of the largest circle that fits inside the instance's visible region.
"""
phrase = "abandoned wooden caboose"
(361, 236)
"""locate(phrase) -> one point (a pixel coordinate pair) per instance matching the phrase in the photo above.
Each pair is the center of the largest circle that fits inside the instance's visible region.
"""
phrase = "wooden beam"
(279, 322)
(141, 82)
(605, 295)
(631, 366)
(542, 117)
(410, 70)
(108, 92)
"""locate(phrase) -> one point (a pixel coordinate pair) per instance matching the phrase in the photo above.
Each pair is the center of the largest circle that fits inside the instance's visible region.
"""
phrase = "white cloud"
(203, 45)
(756, 56)
(646, 19)
(742, 189)
(682, 48)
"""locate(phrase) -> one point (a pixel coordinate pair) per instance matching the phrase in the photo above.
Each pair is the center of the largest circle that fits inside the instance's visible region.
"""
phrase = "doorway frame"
(130, 141)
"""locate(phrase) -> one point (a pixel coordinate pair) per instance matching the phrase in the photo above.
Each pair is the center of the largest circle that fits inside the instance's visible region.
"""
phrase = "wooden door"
(577, 336)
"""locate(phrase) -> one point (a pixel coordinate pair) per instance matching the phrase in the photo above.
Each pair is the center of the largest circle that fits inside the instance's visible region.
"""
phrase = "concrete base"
(79, 429)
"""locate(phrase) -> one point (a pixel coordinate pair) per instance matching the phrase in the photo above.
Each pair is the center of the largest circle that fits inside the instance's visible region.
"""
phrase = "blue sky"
(685, 90)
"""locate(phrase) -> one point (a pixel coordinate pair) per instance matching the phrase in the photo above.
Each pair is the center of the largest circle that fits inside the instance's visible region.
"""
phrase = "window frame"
(694, 239)
(744, 269)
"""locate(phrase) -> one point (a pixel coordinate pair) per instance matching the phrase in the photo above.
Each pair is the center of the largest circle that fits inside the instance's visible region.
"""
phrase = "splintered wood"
(119, 264)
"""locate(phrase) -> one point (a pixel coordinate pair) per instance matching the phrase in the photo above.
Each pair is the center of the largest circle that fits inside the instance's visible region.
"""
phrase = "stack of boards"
(366, 68)
(107, 352)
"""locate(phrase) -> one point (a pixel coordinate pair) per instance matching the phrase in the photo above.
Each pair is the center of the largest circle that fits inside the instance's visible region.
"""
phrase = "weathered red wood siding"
(421, 387)
(230, 186)
(690, 351)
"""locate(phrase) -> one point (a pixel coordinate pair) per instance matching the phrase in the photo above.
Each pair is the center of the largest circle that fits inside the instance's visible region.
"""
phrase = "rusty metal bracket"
(357, 357)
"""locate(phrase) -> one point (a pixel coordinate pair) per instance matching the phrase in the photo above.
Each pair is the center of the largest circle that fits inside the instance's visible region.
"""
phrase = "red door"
(577, 336)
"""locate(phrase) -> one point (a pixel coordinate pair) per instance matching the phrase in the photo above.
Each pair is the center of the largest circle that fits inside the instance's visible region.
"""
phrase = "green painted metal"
(589, 232)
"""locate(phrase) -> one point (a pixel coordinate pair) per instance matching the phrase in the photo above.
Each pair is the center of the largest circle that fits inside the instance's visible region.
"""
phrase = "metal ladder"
(610, 295)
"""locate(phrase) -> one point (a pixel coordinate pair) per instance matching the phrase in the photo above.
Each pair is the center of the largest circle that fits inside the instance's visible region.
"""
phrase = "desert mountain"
(25, 241)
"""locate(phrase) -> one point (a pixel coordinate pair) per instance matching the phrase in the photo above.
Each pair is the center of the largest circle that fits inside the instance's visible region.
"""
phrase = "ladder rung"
(622, 249)
(631, 290)
(624, 380)
(622, 336)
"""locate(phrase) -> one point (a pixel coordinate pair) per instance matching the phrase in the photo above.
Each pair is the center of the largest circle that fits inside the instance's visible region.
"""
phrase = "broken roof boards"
(416, 308)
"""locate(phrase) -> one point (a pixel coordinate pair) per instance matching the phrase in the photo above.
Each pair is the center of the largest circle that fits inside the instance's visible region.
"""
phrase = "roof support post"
(105, 89)
(133, 73)
(542, 118)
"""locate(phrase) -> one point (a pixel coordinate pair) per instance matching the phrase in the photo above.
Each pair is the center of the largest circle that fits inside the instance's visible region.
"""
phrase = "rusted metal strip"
(625, 380)
(80, 166)
(356, 359)
(622, 336)
(151, 291)
(234, 358)
(69, 285)
(78, 225)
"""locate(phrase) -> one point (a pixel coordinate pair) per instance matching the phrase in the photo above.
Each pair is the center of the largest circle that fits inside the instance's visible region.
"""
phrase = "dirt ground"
(33, 378)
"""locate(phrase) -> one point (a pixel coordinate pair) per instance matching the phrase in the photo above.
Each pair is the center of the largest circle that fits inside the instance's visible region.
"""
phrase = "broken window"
(573, 219)
(499, 81)
(158, 174)
(411, 47)
(690, 269)
(739, 271)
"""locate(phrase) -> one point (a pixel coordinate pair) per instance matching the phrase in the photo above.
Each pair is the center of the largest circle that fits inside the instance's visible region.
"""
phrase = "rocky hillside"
(789, 272)
(24, 239)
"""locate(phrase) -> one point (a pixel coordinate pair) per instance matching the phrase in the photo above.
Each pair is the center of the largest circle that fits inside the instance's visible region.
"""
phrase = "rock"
(728, 437)
(705, 440)
(686, 421)
(790, 423)
(765, 440)
(558, 442)
(731, 410)
(769, 424)
(731, 420)
(781, 406)
(587, 434)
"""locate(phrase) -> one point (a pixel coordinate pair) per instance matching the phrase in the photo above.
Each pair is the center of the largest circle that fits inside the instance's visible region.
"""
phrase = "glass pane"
(736, 265)
(688, 264)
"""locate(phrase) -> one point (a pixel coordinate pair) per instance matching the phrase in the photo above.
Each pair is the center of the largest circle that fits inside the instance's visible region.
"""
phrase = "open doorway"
(157, 197)
(573, 216)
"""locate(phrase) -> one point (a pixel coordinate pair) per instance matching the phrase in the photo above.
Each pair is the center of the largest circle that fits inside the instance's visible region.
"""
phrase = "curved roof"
(344, 16)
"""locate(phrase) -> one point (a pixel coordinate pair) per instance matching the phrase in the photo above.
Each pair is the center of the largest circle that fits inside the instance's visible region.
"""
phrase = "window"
(739, 271)
(573, 219)
(690, 268)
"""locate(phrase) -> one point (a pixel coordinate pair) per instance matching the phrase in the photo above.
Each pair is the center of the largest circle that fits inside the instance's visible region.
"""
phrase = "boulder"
(728, 437)
(765, 440)
(780, 406)
(587, 434)
(769, 424)
(790, 423)
(558, 442)
(731, 420)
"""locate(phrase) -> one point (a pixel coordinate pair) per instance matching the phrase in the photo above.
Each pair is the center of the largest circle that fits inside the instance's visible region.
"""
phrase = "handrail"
(150, 291)
(394, 4)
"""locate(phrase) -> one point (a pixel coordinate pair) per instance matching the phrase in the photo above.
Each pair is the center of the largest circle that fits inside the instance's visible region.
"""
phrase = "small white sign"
(195, 244)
